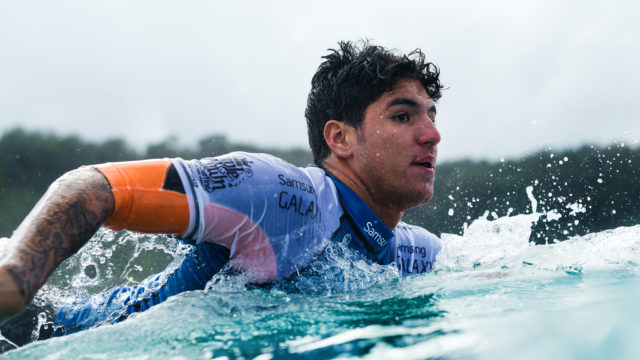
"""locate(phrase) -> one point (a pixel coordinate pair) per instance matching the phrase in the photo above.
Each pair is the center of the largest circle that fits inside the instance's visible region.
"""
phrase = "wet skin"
(64, 219)
(391, 156)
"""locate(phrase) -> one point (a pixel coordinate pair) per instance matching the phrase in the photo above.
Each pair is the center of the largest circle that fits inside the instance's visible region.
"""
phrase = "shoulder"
(242, 169)
(240, 161)
(415, 249)
(253, 183)
(234, 170)
(421, 236)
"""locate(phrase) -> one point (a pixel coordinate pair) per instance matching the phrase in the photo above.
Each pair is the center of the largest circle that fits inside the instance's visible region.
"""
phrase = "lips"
(428, 162)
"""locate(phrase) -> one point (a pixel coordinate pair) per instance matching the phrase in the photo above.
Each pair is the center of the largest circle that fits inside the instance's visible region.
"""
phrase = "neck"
(389, 214)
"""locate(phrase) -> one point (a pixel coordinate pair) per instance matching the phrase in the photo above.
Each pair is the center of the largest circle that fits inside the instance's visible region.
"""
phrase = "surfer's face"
(396, 151)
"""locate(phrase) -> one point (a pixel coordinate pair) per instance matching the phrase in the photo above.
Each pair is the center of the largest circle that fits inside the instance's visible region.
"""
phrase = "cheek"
(396, 143)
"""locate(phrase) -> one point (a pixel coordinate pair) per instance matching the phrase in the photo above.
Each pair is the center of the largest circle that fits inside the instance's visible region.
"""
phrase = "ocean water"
(493, 295)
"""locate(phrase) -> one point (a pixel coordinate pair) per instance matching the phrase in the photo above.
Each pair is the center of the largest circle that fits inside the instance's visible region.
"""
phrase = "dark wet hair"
(354, 76)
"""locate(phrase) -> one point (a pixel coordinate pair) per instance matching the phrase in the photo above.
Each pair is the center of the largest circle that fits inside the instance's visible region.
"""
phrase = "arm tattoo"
(64, 219)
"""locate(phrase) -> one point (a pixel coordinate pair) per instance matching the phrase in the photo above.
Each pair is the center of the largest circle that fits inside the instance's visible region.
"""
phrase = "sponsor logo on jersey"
(412, 259)
(299, 205)
(297, 184)
(410, 249)
(407, 266)
(222, 173)
(369, 230)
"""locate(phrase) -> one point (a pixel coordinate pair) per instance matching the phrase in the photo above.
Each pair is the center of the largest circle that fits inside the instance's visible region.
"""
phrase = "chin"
(426, 198)
(419, 199)
(427, 195)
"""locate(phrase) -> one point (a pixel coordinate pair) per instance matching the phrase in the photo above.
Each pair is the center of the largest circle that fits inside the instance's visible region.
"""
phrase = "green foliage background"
(590, 188)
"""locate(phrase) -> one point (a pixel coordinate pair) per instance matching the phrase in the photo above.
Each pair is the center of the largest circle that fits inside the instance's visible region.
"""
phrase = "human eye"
(432, 117)
(402, 117)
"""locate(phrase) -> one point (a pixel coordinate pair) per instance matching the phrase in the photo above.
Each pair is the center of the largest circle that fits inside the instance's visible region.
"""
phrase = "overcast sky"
(521, 75)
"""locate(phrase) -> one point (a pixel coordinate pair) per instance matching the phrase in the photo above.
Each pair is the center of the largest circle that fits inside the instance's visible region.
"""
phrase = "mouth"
(426, 164)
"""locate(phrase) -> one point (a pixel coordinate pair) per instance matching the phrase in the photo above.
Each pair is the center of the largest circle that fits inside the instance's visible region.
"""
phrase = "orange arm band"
(141, 202)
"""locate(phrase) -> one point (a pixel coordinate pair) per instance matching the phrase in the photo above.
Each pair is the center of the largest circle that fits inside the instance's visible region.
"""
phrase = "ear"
(339, 137)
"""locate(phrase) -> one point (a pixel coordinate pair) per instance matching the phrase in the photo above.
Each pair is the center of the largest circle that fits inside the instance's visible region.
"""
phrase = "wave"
(491, 294)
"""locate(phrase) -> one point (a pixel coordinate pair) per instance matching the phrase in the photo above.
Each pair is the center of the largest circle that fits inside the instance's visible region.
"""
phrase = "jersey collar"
(374, 231)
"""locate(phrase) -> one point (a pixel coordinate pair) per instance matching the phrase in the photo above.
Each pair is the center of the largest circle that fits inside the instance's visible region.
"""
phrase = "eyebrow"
(409, 102)
(402, 101)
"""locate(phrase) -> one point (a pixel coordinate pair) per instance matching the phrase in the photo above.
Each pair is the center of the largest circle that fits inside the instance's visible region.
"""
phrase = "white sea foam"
(494, 291)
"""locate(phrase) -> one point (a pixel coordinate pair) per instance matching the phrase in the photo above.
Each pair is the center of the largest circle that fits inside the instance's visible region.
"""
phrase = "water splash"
(108, 260)
(488, 282)
(485, 241)
(338, 269)
(534, 202)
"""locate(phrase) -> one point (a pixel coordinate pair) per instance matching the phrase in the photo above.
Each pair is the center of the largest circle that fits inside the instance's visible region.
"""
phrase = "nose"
(428, 133)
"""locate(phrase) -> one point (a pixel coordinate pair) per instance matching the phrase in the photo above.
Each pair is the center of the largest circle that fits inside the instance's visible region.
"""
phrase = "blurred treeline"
(581, 190)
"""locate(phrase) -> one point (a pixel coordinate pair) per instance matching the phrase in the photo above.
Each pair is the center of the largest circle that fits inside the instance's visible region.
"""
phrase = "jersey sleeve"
(273, 216)
(148, 197)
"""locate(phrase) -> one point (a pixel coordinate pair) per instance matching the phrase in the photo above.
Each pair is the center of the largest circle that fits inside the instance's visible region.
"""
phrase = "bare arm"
(64, 219)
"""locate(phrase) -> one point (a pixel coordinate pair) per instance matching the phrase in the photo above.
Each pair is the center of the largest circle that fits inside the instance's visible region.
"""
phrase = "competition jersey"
(254, 212)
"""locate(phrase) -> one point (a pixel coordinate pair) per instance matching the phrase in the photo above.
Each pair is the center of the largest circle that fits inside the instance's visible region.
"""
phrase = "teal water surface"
(492, 295)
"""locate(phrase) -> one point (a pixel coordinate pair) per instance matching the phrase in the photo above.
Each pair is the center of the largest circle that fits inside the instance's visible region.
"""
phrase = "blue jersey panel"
(265, 216)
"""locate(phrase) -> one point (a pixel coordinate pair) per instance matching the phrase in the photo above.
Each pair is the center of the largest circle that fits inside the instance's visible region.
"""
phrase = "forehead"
(404, 88)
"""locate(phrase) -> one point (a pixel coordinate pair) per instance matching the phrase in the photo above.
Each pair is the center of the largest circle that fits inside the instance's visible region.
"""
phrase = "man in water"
(370, 117)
